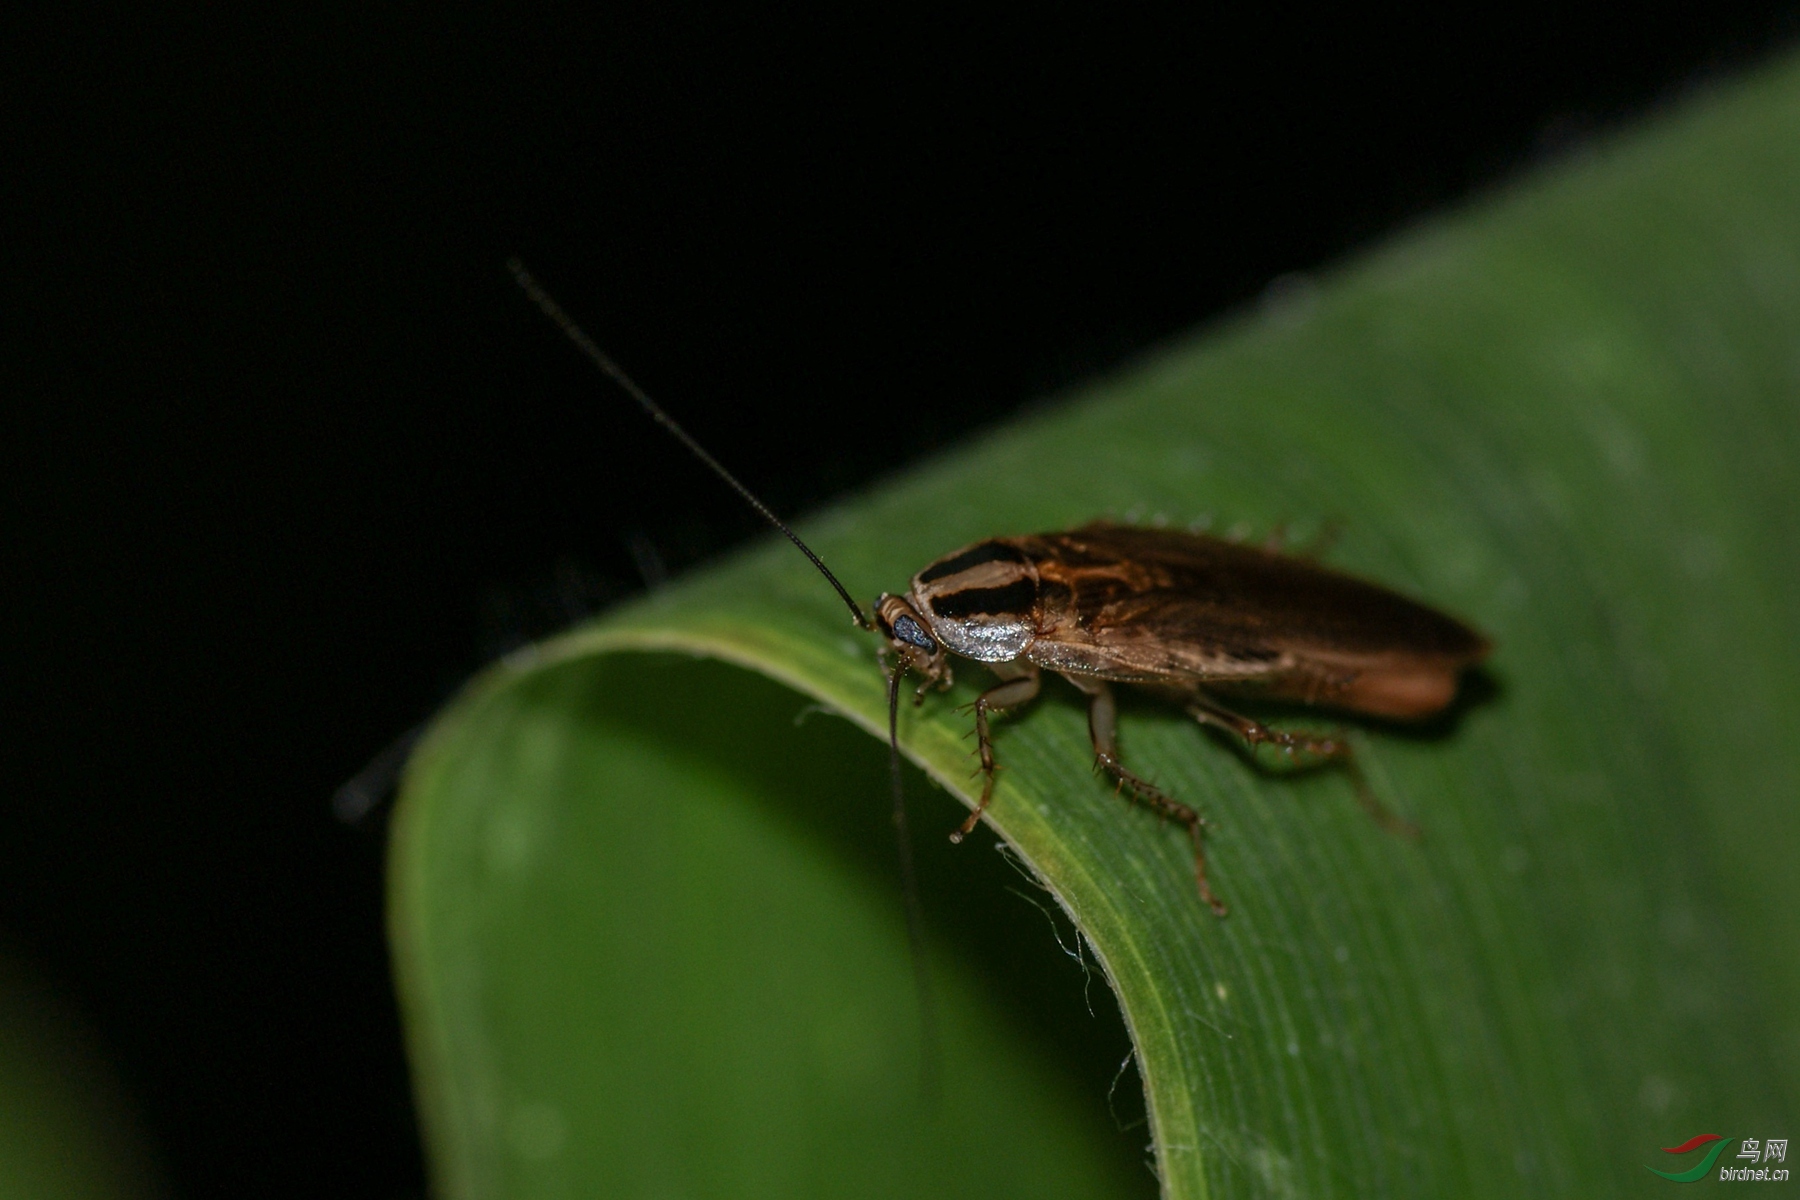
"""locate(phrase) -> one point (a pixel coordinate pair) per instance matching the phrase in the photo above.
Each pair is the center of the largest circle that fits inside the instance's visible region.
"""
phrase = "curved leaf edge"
(637, 629)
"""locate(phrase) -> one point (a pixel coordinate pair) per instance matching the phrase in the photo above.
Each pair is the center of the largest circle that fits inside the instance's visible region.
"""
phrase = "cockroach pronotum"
(1190, 616)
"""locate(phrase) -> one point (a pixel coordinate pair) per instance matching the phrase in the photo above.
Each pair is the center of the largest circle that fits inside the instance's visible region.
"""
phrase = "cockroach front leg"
(1329, 749)
(1019, 685)
(1103, 730)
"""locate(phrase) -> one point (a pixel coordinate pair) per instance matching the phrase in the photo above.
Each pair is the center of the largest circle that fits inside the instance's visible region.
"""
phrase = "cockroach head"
(910, 638)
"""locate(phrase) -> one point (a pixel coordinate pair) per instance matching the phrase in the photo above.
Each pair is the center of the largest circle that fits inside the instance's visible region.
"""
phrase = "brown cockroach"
(1193, 617)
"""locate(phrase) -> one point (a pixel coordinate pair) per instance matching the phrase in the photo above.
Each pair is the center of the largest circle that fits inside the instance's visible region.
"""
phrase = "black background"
(285, 456)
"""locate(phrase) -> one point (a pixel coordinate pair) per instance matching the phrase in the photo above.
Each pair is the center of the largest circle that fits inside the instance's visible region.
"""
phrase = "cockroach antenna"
(601, 359)
(915, 921)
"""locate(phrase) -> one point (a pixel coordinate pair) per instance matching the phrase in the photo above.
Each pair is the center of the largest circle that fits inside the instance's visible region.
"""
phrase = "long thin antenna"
(586, 345)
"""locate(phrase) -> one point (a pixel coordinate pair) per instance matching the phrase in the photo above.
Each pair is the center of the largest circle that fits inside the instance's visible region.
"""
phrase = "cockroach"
(1195, 618)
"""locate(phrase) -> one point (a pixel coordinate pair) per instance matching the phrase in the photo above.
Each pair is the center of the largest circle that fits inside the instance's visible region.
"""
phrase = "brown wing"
(1152, 605)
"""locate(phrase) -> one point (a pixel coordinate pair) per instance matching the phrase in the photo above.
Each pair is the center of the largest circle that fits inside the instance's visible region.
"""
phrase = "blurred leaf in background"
(67, 1131)
(648, 934)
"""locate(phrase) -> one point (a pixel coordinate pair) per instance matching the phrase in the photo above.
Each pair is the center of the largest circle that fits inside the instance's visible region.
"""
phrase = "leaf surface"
(647, 931)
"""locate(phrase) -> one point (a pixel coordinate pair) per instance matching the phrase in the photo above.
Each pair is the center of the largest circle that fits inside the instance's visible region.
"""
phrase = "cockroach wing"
(1180, 609)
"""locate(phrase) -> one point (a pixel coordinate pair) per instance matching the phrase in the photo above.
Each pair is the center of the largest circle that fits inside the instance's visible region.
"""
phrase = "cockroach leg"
(1018, 685)
(1332, 750)
(1103, 730)
(1255, 733)
(941, 679)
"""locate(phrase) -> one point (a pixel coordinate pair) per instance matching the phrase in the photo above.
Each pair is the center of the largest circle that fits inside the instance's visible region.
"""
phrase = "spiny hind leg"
(1018, 685)
(1329, 749)
(1103, 731)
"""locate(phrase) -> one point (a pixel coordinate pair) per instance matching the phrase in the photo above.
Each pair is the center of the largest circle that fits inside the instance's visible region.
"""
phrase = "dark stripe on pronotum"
(986, 552)
(1012, 600)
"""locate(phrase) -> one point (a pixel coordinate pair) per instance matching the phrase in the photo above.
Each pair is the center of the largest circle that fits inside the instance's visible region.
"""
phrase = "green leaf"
(67, 1129)
(648, 934)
